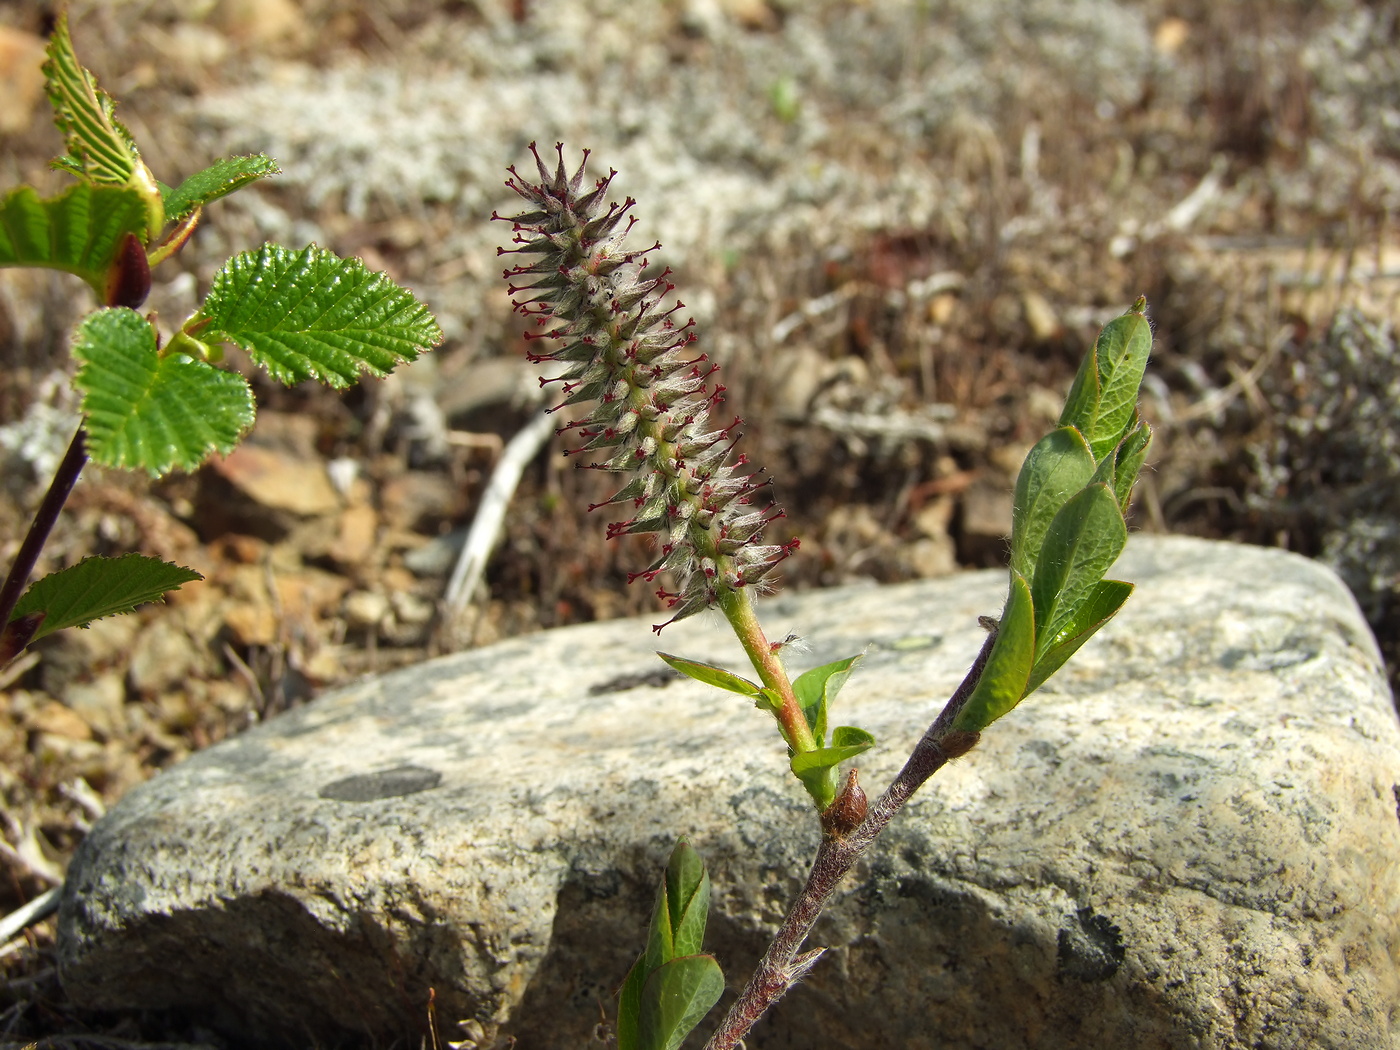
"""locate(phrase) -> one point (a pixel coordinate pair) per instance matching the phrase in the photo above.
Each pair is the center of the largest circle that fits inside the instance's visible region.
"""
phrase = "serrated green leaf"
(98, 587)
(675, 998)
(151, 411)
(218, 180)
(712, 675)
(95, 139)
(1085, 538)
(1121, 351)
(100, 149)
(816, 688)
(312, 315)
(79, 231)
(687, 898)
(1105, 601)
(1008, 670)
(1057, 467)
(1128, 460)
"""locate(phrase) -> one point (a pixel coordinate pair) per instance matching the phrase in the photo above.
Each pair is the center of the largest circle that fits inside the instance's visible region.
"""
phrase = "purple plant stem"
(59, 489)
(781, 966)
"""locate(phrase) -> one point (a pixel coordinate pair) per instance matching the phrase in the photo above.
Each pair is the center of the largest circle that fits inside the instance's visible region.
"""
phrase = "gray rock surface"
(1188, 838)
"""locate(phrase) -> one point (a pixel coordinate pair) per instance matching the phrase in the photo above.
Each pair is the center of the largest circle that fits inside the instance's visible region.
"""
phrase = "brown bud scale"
(845, 814)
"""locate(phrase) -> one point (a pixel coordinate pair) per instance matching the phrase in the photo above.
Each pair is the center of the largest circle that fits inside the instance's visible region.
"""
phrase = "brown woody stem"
(23, 567)
(781, 965)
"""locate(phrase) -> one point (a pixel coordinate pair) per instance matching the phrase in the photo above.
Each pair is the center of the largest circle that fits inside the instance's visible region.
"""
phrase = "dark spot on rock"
(1090, 948)
(1395, 790)
(387, 783)
(658, 679)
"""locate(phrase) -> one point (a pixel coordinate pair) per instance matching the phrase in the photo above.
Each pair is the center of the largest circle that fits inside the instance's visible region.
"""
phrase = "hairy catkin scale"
(626, 355)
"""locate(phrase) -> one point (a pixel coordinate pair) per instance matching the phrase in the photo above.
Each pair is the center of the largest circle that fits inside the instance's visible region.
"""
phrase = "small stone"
(438, 556)
(365, 608)
(99, 703)
(162, 656)
(279, 480)
(986, 524)
(419, 500)
(1041, 318)
(355, 535)
(21, 78)
(57, 719)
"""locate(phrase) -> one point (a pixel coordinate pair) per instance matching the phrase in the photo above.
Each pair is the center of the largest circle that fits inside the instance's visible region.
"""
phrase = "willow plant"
(624, 352)
(158, 404)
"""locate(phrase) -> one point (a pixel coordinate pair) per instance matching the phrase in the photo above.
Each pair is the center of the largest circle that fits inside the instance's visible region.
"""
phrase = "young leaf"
(218, 180)
(98, 587)
(675, 998)
(100, 149)
(687, 898)
(150, 411)
(653, 1010)
(79, 231)
(853, 741)
(629, 1005)
(1008, 670)
(1081, 409)
(1121, 350)
(312, 315)
(1057, 467)
(819, 686)
(1085, 538)
(1129, 457)
(1104, 601)
(817, 769)
(712, 675)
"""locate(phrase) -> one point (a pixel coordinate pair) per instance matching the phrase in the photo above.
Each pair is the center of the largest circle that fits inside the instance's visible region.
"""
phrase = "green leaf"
(817, 769)
(1082, 403)
(1004, 679)
(218, 180)
(1057, 467)
(98, 587)
(1104, 601)
(103, 150)
(712, 675)
(1121, 350)
(100, 150)
(816, 688)
(1128, 460)
(853, 741)
(1085, 538)
(629, 1005)
(312, 315)
(79, 231)
(687, 898)
(652, 1010)
(150, 411)
(675, 998)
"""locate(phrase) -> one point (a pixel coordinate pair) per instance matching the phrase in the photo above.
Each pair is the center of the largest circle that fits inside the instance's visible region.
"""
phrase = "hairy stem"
(23, 567)
(781, 966)
(738, 610)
